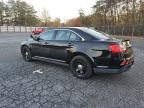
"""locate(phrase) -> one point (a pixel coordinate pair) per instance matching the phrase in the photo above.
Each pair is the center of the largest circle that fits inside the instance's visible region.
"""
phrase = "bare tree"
(2, 12)
(45, 16)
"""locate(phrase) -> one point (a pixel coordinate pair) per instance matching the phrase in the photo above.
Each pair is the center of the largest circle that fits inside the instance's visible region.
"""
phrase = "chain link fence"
(128, 30)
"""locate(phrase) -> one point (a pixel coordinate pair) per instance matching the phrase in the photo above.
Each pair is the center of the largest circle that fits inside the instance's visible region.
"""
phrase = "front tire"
(81, 67)
(26, 54)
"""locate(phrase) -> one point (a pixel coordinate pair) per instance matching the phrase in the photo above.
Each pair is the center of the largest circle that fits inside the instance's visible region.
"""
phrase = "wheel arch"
(81, 54)
(24, 45)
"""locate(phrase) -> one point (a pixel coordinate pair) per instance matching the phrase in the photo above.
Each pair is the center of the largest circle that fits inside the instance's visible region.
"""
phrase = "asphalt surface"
(55, 87)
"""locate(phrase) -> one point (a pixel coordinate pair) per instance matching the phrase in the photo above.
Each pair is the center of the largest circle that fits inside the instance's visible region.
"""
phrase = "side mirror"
(31, 36)
(36, 38)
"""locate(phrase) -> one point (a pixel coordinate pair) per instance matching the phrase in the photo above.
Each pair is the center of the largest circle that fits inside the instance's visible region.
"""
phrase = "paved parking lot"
(20, 87)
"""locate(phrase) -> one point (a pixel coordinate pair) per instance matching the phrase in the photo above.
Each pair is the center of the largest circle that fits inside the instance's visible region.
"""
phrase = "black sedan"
(85, 50)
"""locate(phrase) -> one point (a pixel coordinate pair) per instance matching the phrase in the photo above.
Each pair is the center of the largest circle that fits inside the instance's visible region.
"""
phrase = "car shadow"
(96, 76)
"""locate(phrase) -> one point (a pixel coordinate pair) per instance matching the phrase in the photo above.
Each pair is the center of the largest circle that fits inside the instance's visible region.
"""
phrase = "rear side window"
(74, 37)
(96, 34)
(62, 35)
(49, 35)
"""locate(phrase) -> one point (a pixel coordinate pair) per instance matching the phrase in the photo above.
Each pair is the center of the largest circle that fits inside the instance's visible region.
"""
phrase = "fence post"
(108, 28)
(25, 29)
(140, 28)
(20, 28)
(14, 28)
(133, 28)
(122, 29)
(7, 28)
(30, 29)
(114, 30)
(103, 28)
(142, 33)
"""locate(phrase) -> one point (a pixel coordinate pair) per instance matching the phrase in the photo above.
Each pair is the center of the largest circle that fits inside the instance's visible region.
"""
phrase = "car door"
(62, 45)
(41, 46)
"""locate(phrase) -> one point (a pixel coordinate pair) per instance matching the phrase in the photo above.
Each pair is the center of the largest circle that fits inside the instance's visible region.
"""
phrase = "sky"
(64, 9)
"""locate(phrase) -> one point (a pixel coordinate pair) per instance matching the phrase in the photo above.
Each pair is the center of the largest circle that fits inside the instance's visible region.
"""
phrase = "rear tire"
(26, 54)
(81, 67)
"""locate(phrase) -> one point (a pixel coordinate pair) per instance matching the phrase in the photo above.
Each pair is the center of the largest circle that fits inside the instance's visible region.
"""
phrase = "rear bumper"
(113, 70)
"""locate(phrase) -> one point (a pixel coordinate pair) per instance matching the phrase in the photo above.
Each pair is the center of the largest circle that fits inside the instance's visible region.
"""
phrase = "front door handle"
(70, 44)
(45, 43)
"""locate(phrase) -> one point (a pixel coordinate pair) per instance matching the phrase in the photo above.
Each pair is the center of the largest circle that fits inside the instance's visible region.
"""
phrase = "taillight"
(123, 63)
(116, 48)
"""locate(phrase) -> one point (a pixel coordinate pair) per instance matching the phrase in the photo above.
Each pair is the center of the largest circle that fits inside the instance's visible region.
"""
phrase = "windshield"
(97, 34)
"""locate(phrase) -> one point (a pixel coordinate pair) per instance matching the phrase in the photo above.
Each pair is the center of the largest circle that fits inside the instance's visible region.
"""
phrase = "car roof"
(74, 28)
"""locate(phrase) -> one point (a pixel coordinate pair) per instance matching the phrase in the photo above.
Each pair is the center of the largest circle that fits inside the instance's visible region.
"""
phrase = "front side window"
(49, 35)
(62, 35)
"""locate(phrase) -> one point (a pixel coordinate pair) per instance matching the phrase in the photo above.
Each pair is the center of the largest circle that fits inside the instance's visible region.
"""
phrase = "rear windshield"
(97, 34)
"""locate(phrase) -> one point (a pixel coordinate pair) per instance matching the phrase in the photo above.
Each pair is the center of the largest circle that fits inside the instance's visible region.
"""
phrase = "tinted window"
(62, 35)
(74, 37)
(47, 35)
(98, 35)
